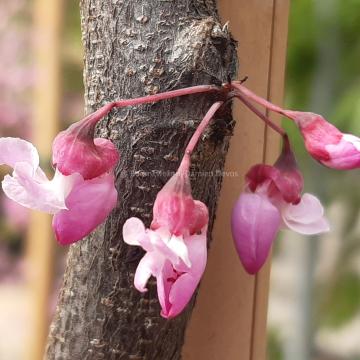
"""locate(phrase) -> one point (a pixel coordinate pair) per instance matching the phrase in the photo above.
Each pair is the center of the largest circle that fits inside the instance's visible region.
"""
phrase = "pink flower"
(67, 197)
(325, 142)
(175, 245)
(272, 199)
(76, 151)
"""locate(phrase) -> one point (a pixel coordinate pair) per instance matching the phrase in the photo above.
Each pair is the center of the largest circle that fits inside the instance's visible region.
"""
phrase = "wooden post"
(229, 319)
(40, 246)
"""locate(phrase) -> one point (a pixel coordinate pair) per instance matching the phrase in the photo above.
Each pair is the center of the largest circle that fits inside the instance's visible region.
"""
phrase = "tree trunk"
(133, 48)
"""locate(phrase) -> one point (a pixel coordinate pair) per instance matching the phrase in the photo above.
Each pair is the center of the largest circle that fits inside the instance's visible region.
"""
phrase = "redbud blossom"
(175, 243)
(325, 142)
(78, 205)
(76, 151)
(271, 200)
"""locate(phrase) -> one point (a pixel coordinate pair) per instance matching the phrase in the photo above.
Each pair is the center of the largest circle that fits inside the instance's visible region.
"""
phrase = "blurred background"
(314, 307)
(41, 76)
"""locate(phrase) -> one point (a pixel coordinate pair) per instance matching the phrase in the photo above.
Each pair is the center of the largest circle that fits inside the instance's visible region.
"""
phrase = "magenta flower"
(271, 200)
(325, 142)
(67, 197)
(175, 245)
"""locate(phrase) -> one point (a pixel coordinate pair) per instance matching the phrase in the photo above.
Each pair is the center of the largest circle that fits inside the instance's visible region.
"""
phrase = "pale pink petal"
(35, 191)
(308, 210)
(307, 217)
(319, 226)
(133, 231)
(255, 222)
(149, 265)
(89, 203)
(14, 150)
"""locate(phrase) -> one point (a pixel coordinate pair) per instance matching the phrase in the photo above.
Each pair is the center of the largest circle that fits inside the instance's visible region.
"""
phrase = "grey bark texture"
(134, 48)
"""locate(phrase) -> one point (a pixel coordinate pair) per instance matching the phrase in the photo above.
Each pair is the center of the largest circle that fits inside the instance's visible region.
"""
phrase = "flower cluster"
(80, 186)
(175, 243)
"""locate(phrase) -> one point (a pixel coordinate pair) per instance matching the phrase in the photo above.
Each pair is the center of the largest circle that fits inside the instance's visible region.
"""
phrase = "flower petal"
(35, 191)
(75, 151)
(307, 217)
(89, 203)
(354, 140)
(187, 282)
(308, 210)
(178, 246)
(159, 242)
(133, 230)
(255, 222)
(15, 150)
(200, 217)
(164, 281)
(344, 155)
(149, 265)
(286, 181)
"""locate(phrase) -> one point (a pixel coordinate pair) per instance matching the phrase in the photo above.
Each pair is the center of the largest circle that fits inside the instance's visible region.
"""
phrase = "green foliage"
(274, 350)
(72, 49)
(342, 302)
(313, 31)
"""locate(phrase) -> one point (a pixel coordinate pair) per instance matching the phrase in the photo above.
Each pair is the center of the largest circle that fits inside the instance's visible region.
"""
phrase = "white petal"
(179, 247)
(353, 140)
(160, 239)
(62, 184)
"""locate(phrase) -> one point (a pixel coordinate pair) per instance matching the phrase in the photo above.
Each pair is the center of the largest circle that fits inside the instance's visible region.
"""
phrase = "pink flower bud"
(325, 142)
(76, 151)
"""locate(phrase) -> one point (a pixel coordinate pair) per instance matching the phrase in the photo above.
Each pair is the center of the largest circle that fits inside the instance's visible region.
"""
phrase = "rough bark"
(132, 48)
